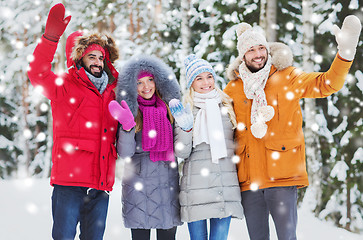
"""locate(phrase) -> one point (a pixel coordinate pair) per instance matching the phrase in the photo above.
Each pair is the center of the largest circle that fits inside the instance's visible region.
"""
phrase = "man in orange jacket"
(266, 90)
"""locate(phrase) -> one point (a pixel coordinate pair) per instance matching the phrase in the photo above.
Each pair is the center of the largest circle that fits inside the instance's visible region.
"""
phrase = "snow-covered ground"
(25, 213)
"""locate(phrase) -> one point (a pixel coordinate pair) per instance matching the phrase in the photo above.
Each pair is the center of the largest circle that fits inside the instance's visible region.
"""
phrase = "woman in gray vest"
(150, 184)
(209, 186)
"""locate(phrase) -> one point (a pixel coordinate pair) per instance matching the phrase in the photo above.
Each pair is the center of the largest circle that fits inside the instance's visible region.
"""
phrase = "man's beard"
(88, 69)
(255, 69)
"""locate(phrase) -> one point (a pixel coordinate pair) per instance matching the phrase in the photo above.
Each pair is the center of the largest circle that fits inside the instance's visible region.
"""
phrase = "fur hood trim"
(83, 41)
(281, 57)
(164, 78)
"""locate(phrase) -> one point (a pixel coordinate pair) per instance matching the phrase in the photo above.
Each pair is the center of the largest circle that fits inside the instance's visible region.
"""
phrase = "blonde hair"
(139, 118)
(226, 101)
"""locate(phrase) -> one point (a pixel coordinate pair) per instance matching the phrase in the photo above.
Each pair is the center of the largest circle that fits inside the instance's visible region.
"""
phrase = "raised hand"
(122, 114)
(56, 23)
(348, 36)
(182, 116)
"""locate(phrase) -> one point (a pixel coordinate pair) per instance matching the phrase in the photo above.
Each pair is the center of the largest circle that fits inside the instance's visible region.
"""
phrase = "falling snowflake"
(27, 133)
(290, 95)
(219, 67)
(59, 81)
(204, 172)
(179, 146)
(315, 127)
(44, 107)
(30, 58)
(69, 148)
(39, 89)
(254, 187)
(235, 159)
(152, 133)
(138, 186)
(290, 26)
(173, 165)
(72, 100)
(127, 159)
(241, 126)
(41, 137)
(318, 59)
(224, 110)
(275, 155)
(88, 124)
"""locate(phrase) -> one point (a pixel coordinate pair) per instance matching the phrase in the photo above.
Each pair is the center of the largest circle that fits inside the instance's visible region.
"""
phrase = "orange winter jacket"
(278, 159)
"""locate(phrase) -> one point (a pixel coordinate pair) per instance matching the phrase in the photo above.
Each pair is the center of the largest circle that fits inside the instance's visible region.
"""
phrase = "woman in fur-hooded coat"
(150, 189)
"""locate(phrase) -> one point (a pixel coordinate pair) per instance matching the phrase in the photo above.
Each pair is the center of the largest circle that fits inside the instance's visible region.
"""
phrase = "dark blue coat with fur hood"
(150, 190)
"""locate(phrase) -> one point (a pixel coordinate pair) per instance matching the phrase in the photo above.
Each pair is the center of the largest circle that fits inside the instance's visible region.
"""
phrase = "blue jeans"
(280, 202)
(71, 205)
(219, 228)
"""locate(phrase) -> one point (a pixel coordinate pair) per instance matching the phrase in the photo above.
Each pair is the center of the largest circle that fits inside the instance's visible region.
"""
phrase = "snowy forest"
(172, 29)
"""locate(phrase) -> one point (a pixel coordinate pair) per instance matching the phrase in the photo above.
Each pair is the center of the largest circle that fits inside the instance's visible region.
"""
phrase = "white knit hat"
(248, 37)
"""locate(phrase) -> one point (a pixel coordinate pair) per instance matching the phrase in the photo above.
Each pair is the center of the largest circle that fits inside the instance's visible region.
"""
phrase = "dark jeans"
(219, 228)
(71, 205)
(162, 234)
(280, 202)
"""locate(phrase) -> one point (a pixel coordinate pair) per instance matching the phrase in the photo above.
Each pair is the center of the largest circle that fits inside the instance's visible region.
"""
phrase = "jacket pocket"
(243, 170)
(75, 160)
(132, 166)
(285, 159)
(111, 166)
(76, 113)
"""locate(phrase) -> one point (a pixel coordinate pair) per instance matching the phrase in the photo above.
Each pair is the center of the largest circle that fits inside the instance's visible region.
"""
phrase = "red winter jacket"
(84, 132)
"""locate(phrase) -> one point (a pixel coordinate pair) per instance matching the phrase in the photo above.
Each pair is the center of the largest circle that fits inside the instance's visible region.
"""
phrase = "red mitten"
(56, 23)
(122, 114)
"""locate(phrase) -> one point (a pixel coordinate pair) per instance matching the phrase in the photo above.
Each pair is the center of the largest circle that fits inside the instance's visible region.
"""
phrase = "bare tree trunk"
(263, 20)
(112, 26)
(271, 20)
(48, 151)
(268, 11)
(185, 37)
(312, 152)
(131, 18)
(349, 205)
(25, 159)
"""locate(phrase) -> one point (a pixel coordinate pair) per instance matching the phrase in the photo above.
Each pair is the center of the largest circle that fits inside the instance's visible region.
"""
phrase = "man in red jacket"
(84, 132)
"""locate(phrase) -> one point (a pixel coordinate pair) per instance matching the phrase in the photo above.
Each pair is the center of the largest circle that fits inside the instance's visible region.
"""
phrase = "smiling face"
(93, 63)
(256, 58)
(203, 83)
(146, 87)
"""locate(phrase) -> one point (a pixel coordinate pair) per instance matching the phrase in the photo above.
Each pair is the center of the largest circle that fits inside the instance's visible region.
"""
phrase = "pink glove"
(122, 114)
(56, 23)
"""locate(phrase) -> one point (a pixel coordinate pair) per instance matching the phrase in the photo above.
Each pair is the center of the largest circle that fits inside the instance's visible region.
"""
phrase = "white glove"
(182, 116)
(348, 36)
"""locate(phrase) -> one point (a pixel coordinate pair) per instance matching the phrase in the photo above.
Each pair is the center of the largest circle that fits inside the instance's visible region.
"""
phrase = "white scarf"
(208, 126)
(254, 85)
